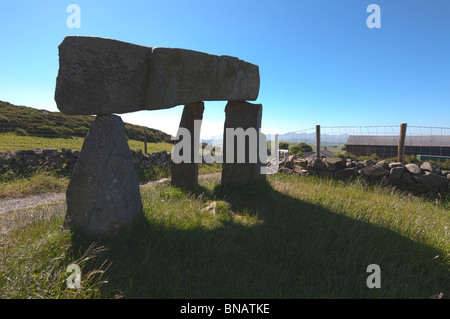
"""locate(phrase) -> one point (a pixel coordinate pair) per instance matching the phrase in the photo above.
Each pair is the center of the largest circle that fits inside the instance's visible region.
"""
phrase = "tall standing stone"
(103, 194)
(242, 124)
(185, 175)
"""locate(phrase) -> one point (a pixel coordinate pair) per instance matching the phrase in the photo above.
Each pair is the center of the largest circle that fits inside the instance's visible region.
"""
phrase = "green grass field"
(12, 141)
(28, 121)
(291, 237)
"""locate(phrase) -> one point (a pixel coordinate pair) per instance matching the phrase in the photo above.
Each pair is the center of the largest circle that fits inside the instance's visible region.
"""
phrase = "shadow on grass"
(293, 250)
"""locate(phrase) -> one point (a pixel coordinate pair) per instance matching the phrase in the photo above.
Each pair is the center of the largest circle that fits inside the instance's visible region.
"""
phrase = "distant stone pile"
(417, 179)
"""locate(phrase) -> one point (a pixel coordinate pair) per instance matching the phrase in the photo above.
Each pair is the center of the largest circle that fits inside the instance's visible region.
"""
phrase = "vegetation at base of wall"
(290, 237)
(156, 173)
(29, 180)
(27, 121)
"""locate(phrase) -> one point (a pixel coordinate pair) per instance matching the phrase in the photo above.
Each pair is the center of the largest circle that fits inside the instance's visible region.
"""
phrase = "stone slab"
(104, 76)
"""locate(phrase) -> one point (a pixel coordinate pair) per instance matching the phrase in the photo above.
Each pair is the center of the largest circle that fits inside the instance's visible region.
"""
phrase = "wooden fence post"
(145, 142)
(401, 143)
(317, 141)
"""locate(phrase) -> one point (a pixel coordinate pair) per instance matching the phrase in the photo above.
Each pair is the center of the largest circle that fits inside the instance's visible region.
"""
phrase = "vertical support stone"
(103, 194)
(241, 143)
(185, 175)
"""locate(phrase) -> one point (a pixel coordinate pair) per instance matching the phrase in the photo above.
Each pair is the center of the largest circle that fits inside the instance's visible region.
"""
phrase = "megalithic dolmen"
(100, 77)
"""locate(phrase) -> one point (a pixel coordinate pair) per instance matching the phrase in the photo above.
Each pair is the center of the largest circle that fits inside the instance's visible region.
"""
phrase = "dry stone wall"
(417, 179)
(50, 157)
(65, 157)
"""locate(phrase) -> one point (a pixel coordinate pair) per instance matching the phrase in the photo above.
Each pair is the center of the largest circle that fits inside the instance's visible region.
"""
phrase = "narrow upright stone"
(103, 194)
(242, 125)
(185, 175)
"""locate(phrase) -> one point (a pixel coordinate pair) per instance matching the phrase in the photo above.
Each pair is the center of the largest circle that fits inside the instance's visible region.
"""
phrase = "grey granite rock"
(103, 76)
(103, 194)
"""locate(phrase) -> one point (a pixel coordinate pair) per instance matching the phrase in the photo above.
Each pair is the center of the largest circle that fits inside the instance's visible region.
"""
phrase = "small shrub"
(283, 146)
(21, 132)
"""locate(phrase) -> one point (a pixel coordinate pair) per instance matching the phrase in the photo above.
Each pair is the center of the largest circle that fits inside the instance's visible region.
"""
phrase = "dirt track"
(10, 204)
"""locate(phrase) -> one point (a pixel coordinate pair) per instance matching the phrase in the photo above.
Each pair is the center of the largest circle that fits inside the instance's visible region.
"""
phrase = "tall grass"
(31, 181)
(290, 237)
(34, 265)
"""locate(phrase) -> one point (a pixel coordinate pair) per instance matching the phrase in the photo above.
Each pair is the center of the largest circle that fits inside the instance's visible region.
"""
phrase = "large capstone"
(103, 76)
(103, 194)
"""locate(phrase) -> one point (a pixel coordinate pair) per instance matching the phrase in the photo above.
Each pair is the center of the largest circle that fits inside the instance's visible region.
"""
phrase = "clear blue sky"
(319, 62)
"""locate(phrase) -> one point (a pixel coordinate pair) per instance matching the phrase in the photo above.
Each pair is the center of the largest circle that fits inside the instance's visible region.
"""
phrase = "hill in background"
(24, 120)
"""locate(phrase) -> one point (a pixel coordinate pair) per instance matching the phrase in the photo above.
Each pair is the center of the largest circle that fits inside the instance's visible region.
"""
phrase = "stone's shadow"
(292, 250)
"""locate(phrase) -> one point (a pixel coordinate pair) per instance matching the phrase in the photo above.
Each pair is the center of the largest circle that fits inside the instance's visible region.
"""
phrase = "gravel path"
(10, 204)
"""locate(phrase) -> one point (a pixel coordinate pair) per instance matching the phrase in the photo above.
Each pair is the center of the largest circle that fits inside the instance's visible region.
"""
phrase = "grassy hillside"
(12, 141)
(292, 237)
(27, 121)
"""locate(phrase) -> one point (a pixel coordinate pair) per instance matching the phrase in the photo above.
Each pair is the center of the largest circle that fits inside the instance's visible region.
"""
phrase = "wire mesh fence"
(421, 143)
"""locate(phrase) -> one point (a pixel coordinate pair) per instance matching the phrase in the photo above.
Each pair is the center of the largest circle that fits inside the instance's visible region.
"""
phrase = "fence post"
(317, 141)
(401, 143)
(145, 141)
